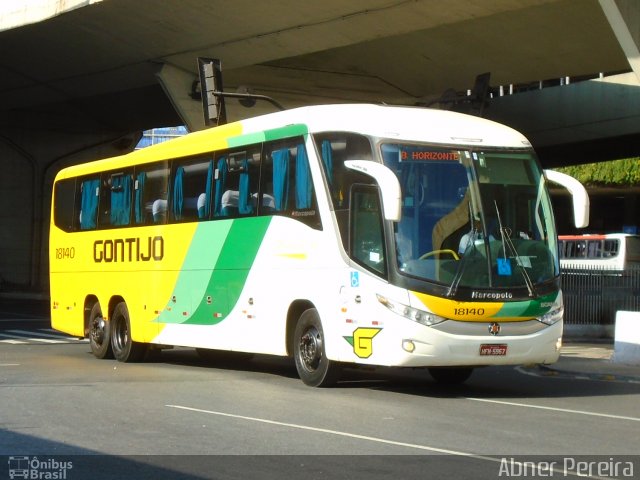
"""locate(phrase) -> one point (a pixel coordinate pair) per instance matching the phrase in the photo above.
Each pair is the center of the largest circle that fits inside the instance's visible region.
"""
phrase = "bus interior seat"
(159, 210)
(229, 203)
(268, 202)
(201, 205)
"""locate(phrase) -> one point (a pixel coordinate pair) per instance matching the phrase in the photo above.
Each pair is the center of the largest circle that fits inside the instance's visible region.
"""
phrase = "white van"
(613, 251)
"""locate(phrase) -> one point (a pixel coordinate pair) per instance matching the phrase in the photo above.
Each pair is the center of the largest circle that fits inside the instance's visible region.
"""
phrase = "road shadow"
(504, 382)
(33, 457)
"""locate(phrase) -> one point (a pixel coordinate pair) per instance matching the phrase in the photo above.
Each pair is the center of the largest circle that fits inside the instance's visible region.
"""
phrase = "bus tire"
(99, 333)
(314, 368)
(450, 375)
(124, 349)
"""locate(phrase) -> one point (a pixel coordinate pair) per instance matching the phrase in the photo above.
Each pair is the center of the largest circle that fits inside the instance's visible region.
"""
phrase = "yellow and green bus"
(336, 234)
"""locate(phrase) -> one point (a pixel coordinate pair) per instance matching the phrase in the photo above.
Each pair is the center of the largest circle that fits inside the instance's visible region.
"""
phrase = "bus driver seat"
(450, 224)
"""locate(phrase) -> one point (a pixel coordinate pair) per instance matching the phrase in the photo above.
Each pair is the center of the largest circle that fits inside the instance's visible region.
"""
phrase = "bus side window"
(150, 194)
(220, 182)
(89, 196)
(115, 199)
(594, 249)
(236, 183)
(191, 190)
(287, 185)
(274, 179)
(303, 195)
(64, 203)
(611, 248)
(334, 149)
(366, 229)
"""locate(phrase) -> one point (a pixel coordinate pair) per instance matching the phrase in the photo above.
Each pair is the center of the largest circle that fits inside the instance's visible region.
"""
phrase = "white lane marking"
(12, 341)
(502, 461)
(332, 432)
(34, 339)
(40, 334)
(17, 337)
(555, 409)
(9, 364)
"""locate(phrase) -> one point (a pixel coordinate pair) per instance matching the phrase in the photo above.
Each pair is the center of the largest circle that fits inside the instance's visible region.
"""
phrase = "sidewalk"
(593, 360)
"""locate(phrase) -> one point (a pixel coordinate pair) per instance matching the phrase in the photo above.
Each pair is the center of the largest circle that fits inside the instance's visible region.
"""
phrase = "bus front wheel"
(99, 333)
(124, 349)
(312, 364)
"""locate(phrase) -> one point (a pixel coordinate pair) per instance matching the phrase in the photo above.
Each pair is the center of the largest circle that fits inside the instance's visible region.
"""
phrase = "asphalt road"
(177, 416)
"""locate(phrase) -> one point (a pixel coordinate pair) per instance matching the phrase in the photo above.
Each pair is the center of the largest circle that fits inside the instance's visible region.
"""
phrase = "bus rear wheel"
(450, 375)
(312, 364)
(124, 349)
(99, 333)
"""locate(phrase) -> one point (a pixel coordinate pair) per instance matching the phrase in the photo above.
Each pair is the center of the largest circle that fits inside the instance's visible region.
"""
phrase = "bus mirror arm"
(578, 193)
(249, 96)
(387, 182)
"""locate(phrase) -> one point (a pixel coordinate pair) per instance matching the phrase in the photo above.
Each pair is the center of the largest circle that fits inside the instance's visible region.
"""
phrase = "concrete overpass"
(80, 79)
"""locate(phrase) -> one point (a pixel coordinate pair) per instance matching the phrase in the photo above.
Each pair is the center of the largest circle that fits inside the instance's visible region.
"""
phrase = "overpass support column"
(624, 18)
(177, 84)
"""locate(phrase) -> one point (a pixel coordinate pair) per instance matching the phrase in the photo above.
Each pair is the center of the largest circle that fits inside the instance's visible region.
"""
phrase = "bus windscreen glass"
(472, 218)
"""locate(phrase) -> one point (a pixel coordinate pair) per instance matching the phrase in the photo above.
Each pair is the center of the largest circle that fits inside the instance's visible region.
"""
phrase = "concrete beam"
(624, 18)
(177, 84)
(572, 114)
(18, 14)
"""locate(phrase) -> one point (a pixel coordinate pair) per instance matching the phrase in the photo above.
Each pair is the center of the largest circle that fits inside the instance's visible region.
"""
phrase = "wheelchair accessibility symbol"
(355, 279)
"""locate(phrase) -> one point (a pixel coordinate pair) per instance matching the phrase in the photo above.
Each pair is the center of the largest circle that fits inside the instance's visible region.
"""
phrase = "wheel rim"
(311, 349)
(121, 335)
(98, 330)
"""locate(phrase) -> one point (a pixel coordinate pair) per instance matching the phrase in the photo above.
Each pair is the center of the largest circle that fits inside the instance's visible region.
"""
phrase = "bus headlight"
(552, 316)
(419, 316)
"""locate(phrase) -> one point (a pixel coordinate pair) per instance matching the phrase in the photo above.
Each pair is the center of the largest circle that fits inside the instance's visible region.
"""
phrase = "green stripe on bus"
(248, 139)
(268, 135)
(285, 132)
(231, 270)
(527, 308)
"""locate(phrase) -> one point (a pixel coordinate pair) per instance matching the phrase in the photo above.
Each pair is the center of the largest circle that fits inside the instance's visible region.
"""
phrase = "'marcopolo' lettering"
(492, 295)
(128, 250)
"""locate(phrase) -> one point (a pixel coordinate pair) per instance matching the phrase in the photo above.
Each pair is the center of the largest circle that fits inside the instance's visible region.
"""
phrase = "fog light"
(408, 346)
(558, 344)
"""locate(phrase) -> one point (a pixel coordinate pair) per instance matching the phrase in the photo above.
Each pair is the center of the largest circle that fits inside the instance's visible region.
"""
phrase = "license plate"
(490, 349)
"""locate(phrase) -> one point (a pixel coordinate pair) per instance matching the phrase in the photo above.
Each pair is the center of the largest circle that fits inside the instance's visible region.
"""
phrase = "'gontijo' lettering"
(129, 250)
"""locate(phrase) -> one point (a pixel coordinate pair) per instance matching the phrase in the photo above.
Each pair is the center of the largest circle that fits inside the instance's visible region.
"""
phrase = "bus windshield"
(478, 219)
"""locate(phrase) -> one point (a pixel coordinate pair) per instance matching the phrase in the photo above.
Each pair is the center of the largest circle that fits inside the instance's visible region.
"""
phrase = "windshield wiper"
(505, 234)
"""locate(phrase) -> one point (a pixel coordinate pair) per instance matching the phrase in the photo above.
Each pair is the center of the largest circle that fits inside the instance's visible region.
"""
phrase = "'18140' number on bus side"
(65, 253)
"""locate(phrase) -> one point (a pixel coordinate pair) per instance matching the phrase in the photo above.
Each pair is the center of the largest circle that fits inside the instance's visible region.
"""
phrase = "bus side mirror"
(578, 193)
(388, 183)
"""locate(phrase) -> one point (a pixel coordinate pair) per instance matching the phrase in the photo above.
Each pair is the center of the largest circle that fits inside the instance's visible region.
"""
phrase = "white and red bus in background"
(612, 251)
